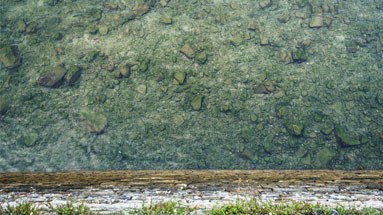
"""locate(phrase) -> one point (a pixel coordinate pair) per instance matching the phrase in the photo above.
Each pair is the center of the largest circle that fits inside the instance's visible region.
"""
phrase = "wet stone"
(21, 25)
(31, 28)
(201, 57)
(323, 158)
(123, 70)
(141, 89)
(4, 105)
(52, 77)
(264, 40)
(74, 72)
(265, 4)
(295, 129)
(103, 30)
(343, 137)
(91, 121)
(237, 40)
(316, 21)
(187, 51)
(264, 88)
(8, 57)
(180, 77)
(166, 20)
(196, 102)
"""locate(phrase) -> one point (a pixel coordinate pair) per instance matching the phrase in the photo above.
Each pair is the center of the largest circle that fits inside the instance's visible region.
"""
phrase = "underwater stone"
(92, 121)
(180, 77)
(4, 105)
(237, 40)
(196, 102)
(323, 158)
(123, 70)
(264, 88)
(31, 28)
(263, 40)
(265, 4)
(52, 77)
(8, 57)
(269, 86)
(316, 21)
(166, 20)
(103, 30)
(178, 119)
(286, 57)
(295, 129)
(299, 55)
(343, 137)
(267, 143)
(142, 10)
(21, 25)
(30, 138)
(201, 58)
(72, 75)
(187, 51)
(141, 89)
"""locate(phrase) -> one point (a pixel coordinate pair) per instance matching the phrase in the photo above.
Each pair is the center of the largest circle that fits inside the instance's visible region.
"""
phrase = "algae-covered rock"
(103, 30)
(21, 25)
(316, 21)
(30, 138)
(166, 20)
(264, 88)
(299, 55)
(141, 89)
(92, 121)
(73, 74)
(267, 143)
(263, 39)
(52, 77)
(4, 105)
(123, 70)
(295, 129)
(196, 102)
(237, 40)
(8, 57)
(187, 51)
(265, 4)
(201, 57)
(323, 158)
(180, 77)
(343, 137)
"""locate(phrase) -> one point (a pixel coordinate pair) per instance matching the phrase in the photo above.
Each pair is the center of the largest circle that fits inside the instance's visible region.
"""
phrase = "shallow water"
(241, 84)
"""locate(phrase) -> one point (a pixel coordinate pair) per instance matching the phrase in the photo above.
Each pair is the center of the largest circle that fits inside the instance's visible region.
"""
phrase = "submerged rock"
(196, 102)
(323, 158)
(180, 77)
(187, 51)
(295, 129)
(343, 137)
(52, 77)
(4, 105)
(92, 121)
(316, 21)
(8, 57)
(72, 75)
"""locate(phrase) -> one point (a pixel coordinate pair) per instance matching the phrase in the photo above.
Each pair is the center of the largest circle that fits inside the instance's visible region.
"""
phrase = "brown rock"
(187, 51)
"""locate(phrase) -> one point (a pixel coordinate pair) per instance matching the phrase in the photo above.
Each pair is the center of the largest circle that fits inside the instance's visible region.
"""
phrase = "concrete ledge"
(200, 178)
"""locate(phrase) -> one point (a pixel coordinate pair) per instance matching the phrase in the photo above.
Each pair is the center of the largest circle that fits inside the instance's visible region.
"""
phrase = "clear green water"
(191, 84)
